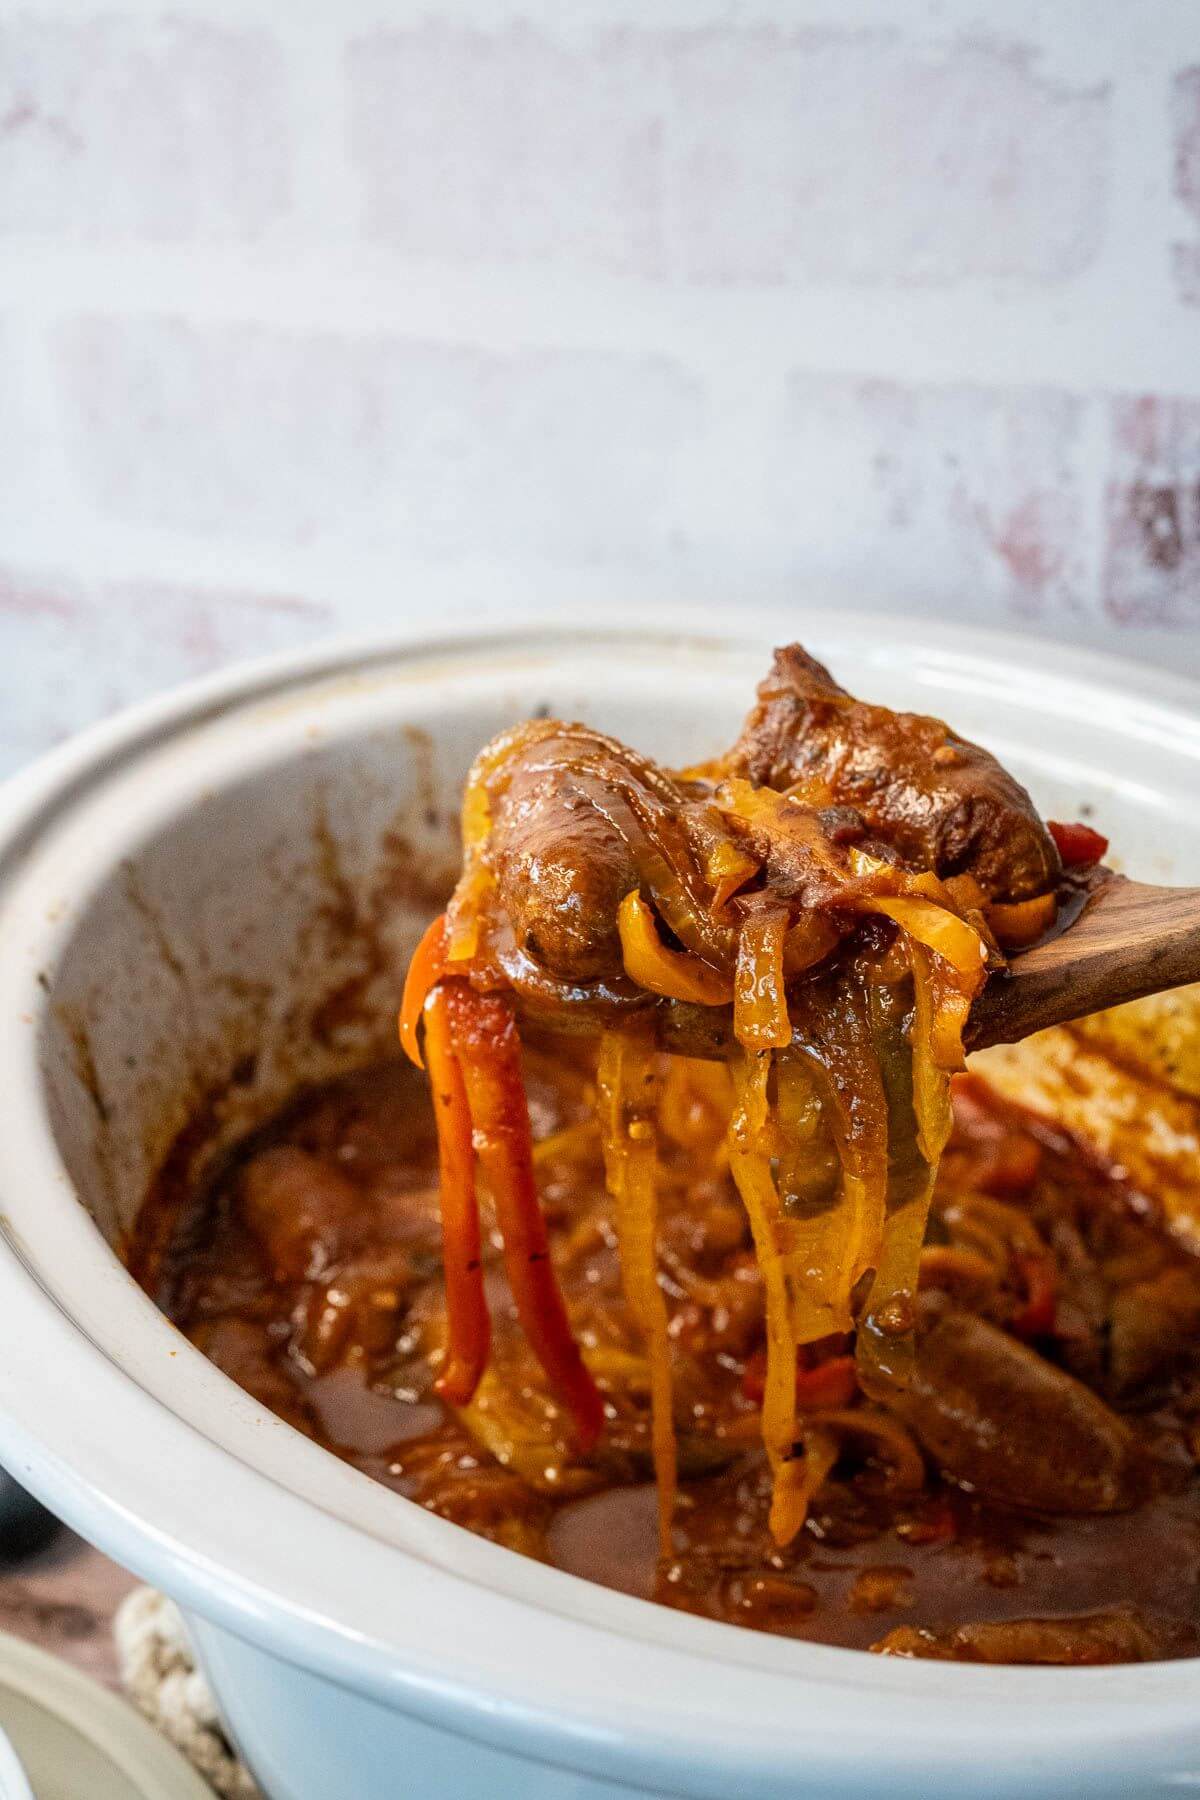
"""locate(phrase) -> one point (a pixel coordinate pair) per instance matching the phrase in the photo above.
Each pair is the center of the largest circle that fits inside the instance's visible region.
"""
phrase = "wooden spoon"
(1128, 939)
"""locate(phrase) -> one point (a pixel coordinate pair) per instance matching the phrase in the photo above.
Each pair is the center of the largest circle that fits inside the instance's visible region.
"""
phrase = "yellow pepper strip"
(674, 974)
(1017, 923)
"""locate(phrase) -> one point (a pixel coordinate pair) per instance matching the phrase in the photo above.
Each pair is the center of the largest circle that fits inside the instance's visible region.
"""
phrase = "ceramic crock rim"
(703, 1724)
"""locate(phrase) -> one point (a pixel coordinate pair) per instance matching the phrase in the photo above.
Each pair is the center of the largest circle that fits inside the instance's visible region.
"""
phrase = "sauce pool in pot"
(1033, 1498)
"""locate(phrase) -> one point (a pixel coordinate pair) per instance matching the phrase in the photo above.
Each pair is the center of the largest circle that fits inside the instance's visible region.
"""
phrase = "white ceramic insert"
(183, 891)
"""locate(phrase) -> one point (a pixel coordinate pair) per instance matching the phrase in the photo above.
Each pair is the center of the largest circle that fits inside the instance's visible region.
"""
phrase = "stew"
(778, 1334)
(1033, 1498)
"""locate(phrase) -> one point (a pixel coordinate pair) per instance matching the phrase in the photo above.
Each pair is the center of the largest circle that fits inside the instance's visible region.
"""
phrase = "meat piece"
(562, 868)
(943, 802)
(578, 822)
(996, 1415)
(303, 1211)
(802, 858)
(1109, 1637)
(1152, 1328)
(357, 1308)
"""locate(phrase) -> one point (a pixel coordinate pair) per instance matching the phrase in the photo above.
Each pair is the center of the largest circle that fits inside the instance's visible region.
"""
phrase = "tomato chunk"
(1040, 1279)
(1078, 845)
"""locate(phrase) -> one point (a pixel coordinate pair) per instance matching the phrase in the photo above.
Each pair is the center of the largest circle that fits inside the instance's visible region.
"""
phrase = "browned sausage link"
(303, 1211)
(941, 801)
(578, 822)
(993, 1413)
(562, 869)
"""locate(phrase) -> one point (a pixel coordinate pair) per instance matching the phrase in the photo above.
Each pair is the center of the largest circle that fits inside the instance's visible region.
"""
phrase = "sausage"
(992, 1413)
(562, 869)
(941, 801)
(1152, 1327)
(577, 821)
(303, 1211)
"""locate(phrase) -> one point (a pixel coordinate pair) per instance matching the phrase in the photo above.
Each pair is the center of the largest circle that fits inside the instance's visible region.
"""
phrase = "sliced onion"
(628, 1084)
(674, 974)
(760, 1010)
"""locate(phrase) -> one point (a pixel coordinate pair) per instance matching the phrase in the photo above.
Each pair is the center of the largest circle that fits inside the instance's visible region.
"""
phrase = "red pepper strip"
(470, 1327)
(829, 1383)
(1011, 1166)
(934, 1524)
(754, 1377)
(1078, 845)
(484, 1034)
(1039, 1278)
(426, 969)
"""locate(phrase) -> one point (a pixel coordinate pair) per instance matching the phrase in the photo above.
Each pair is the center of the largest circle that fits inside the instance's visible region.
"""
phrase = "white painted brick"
(1151, 573)
(509, 145)
(959, 499)
(729, 155)
(444, 452)
(16, 428)
(76, 649)
(167, 129)
(1185, 125)
(859, 157)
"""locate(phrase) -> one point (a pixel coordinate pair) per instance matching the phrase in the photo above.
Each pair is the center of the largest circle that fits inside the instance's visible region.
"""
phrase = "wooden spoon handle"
(1131, 939)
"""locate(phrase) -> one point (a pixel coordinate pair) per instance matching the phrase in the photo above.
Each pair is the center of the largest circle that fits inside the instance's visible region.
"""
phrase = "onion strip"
(887, 1335)
(628, 1084)
(939, 930)
(811, 1169)
(907, 1463)
(672, 974)
(760, 1010)
(1017, 923)
(931, 1084)
(752, 1172)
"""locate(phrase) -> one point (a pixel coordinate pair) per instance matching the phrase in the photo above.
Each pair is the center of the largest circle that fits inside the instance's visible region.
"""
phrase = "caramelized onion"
(752, 1172)
(673, 974)
(760, 1010)
(888, 1436)
(1017, 923)
(628, 1082)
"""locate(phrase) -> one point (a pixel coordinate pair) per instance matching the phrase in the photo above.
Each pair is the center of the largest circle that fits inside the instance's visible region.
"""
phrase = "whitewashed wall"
(312, 314)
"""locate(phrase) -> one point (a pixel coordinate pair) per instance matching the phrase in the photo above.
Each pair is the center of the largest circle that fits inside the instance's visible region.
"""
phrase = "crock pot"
(187, 894)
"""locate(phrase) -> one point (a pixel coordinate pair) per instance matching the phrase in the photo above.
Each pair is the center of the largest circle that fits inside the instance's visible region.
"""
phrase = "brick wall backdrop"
(316, 314)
